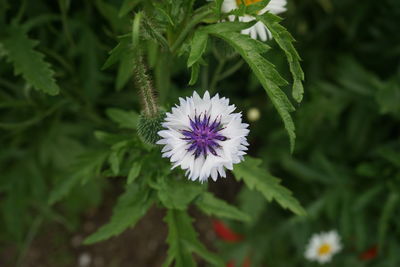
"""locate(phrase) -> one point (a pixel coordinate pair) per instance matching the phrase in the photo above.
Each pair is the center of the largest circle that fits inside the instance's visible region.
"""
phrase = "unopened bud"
(148, 127)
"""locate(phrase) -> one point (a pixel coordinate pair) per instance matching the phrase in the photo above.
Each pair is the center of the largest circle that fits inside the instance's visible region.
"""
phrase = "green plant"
(60, 97)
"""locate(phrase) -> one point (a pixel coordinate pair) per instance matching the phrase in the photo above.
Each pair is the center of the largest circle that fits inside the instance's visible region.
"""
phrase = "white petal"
(261, 31)
(228, 5)
(230, 152)
(253, 32)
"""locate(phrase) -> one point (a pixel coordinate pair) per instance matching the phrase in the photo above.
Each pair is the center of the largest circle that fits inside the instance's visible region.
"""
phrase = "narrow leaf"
(131, 206)
(198, 46)
(194, 74)
(211, 205)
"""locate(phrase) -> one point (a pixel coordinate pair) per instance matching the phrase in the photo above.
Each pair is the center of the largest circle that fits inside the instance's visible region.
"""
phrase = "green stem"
(142, 80)
(146, 88)
(231, 70)
(21, 12)
(216, 76)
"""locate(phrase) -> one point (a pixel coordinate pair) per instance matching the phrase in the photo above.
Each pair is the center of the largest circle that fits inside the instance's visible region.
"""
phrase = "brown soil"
(142, 246)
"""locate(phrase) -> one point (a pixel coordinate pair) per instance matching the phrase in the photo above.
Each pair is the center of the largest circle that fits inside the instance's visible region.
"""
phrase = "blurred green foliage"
(345, 168)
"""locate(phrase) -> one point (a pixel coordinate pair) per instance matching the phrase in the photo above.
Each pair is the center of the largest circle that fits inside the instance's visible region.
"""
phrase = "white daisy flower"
(204, 136)
(323, 246)
(258, 30)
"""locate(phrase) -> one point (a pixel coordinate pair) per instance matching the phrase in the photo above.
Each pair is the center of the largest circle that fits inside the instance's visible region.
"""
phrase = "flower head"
(323, 246)
(258, 30)
(204, 136)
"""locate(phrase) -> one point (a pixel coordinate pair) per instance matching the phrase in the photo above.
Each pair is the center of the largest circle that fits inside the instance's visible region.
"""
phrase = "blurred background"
(345, 169)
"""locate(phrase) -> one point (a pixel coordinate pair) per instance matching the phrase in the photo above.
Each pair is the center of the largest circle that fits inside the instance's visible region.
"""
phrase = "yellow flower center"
(247, 2)
(324, 249)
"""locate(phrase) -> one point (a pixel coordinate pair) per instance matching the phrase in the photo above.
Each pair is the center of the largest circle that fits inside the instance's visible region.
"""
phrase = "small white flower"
(84, 260)
(323, 246)
(258, 30)
(203, 136)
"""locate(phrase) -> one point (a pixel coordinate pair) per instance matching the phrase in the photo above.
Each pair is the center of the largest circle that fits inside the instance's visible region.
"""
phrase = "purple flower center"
(203, 136)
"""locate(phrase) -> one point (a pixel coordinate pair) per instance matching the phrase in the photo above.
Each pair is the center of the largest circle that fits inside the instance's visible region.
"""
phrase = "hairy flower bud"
(148, 127)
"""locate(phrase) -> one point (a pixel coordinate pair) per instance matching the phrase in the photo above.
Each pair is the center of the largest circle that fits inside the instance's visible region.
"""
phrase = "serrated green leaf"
(266, 73)
(199, 41)
(285, 42)
(211, 205)
(28, 62)
(125, 119)
(182, 241)
(177, 194)
(131, 206)
(261, 180)
(179, 226)
(134, 171)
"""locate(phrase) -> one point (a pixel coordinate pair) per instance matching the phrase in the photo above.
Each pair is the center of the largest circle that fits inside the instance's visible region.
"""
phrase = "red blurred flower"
(225, 233)
(247, 262)
(369, 254)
